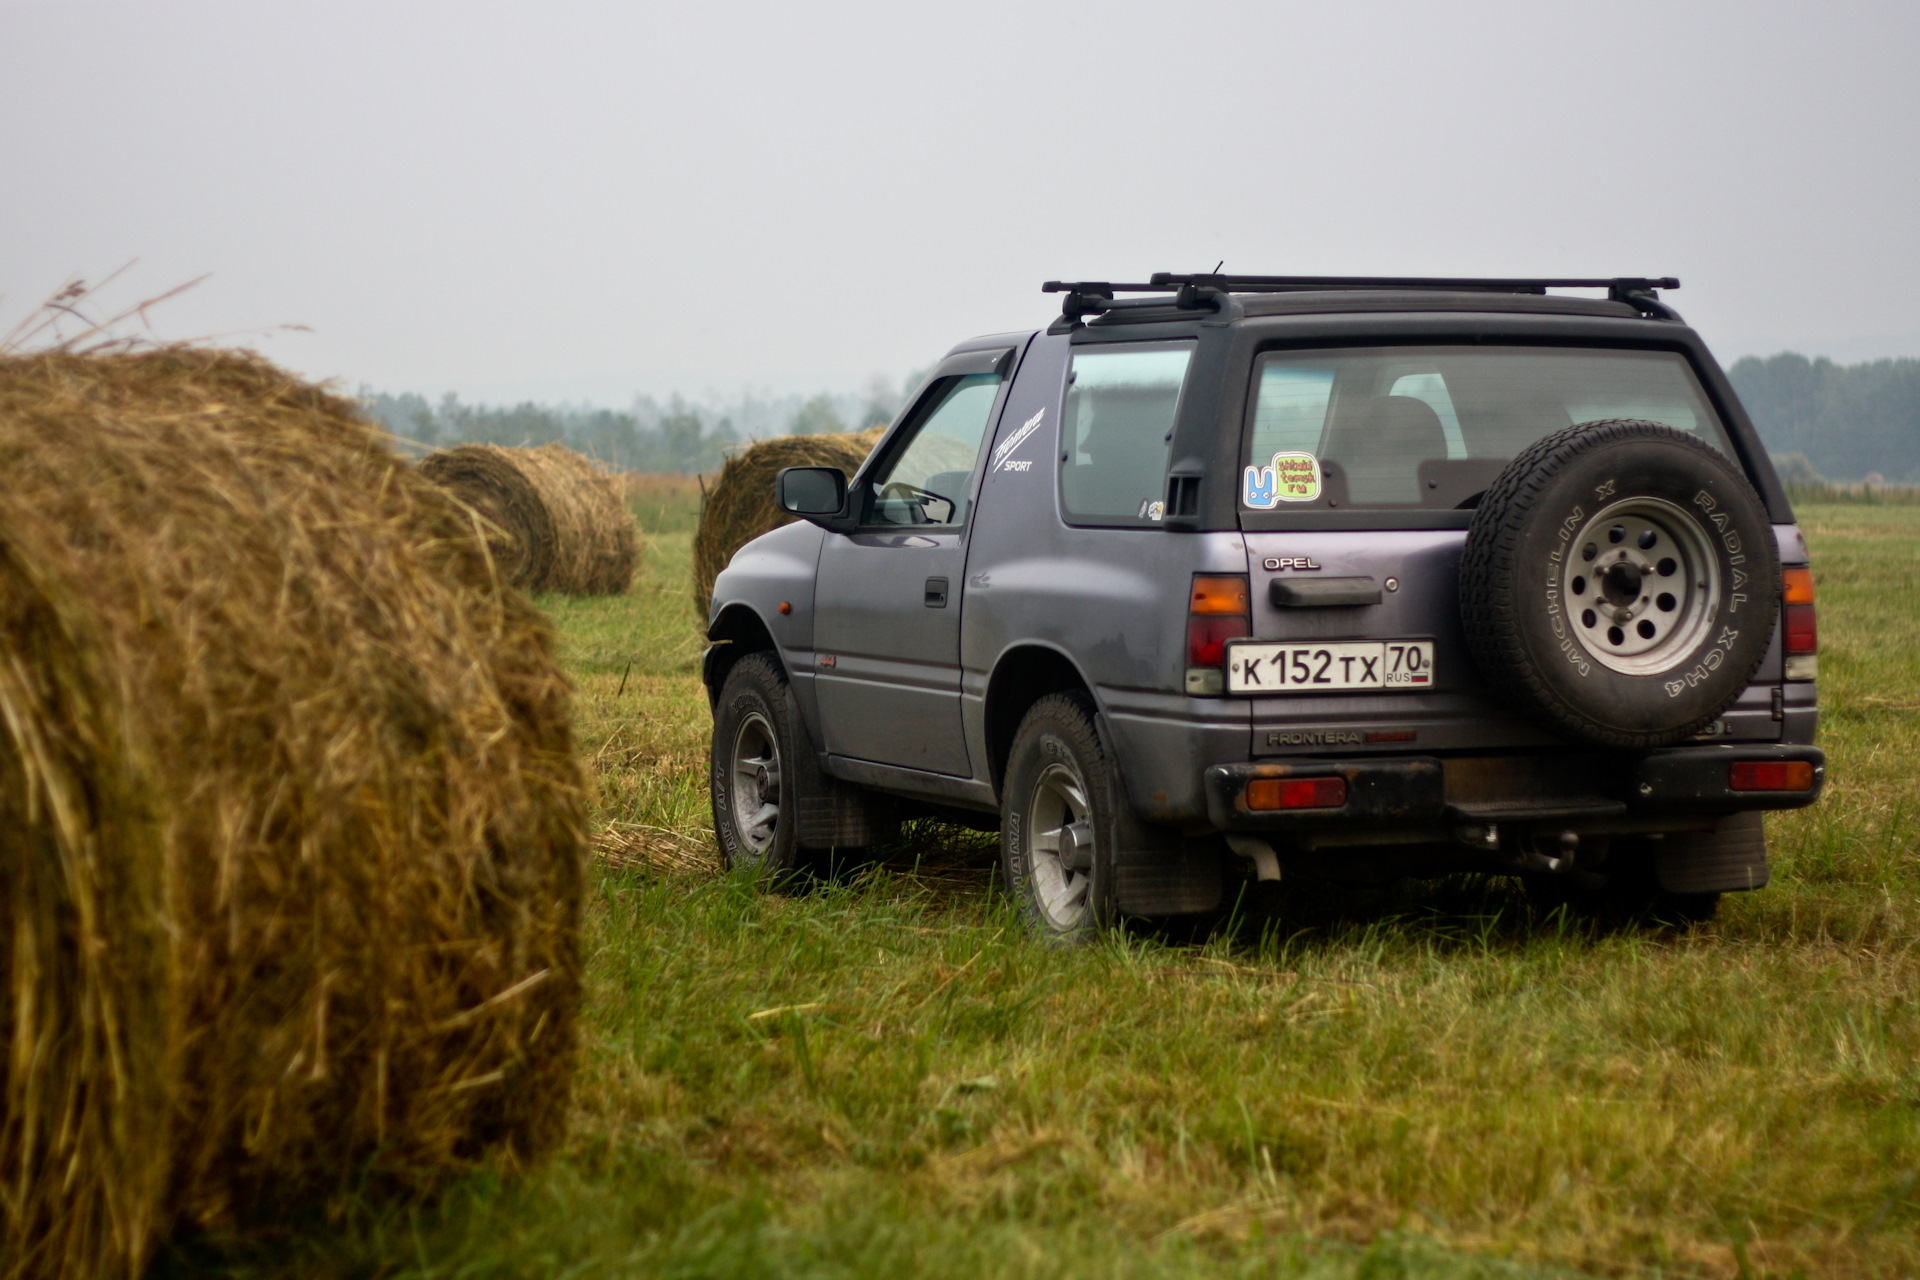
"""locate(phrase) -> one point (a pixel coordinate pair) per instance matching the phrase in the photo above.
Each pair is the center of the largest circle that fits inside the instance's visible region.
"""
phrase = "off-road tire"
(756, 701)
(1592, 657)
(1057, 752)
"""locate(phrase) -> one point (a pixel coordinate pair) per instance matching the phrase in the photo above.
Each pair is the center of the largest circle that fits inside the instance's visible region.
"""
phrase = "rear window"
(1430, 427)
(1116, 429)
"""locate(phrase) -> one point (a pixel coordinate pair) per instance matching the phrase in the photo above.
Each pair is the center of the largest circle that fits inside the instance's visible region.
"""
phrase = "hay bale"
(739, 505)
(559, 520)
(292, 834)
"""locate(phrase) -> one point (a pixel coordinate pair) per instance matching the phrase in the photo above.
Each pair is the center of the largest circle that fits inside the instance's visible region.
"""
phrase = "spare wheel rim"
(1642, 585)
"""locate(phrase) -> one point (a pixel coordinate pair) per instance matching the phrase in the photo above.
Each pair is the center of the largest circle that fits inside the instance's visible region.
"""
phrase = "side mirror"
(812, 493)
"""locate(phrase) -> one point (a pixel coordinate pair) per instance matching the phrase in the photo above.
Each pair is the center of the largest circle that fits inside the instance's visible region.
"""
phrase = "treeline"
(646, 436)
(1845, 422)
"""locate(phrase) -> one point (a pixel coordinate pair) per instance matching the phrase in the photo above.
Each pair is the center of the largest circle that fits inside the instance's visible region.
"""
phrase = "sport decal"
(1290, 477)
(1003, 455)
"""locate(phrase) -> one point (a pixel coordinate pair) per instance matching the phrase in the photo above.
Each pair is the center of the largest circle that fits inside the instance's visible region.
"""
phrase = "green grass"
(884, 1078)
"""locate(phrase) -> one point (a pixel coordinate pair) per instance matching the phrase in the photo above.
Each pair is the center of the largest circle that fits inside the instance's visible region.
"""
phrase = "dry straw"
(559, 521)
(739, 505)
(291, 827)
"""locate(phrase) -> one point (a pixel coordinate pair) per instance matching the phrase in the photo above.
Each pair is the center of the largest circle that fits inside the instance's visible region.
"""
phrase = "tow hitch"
(1526, 858)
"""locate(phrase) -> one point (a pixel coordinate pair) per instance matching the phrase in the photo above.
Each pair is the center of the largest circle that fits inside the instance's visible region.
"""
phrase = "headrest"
(1400, 427)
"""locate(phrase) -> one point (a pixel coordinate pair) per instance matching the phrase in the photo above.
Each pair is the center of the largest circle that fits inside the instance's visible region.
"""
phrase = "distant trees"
(1843, 420)
(680, 438)
(816, 418)
(648, 436)
(881, 402)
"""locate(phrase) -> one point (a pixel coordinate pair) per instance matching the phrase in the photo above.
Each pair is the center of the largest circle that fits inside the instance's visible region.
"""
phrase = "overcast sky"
(584, 201)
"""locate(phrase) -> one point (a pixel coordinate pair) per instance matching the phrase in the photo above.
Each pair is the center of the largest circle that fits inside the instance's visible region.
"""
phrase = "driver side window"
(926, 483)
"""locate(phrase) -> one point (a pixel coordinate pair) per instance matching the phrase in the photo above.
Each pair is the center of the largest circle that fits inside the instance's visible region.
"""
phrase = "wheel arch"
(737, 632)
(1021, 677)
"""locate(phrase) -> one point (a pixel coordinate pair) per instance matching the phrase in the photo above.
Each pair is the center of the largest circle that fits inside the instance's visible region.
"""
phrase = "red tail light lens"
(1297, 793)
(1800, 630)
(1770, 775)
(1207, 639)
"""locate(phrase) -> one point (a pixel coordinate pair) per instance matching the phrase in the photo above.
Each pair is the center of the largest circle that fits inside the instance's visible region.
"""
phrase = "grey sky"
(573, 200)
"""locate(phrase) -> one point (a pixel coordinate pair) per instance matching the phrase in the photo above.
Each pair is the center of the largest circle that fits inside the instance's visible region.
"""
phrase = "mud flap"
(834, 814)
(839, 815)
(1731, 857)
(1156, 873)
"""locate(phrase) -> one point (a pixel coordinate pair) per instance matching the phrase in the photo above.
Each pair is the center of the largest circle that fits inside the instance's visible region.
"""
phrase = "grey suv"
(1218, 576)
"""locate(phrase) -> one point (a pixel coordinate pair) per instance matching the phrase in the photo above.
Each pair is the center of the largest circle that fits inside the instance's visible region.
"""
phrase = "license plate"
(1328, 666)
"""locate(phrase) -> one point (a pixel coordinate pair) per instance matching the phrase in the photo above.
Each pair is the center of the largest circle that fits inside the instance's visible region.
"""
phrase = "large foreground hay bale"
(739, 505)
(291, 826)
(560, 521)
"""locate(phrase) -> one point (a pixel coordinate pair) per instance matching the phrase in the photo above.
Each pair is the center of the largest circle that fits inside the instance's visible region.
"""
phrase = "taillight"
(1217, 611)
(1207, 640)
(1296, 793)
(1770, 775)
(1799, 628)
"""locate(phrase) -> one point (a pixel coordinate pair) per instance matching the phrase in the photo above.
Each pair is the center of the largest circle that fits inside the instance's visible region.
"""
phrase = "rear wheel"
(1057, 823)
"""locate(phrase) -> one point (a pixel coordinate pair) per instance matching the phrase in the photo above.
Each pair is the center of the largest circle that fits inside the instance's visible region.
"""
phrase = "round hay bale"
(739, 505)
(292, 832)
(557, 521)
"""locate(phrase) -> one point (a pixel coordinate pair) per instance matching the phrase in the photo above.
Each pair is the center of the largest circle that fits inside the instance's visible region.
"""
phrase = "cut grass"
(883, 1077)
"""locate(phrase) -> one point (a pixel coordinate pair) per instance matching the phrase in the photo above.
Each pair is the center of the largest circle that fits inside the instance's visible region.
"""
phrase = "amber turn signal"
(1219, 594)
(1796, 586)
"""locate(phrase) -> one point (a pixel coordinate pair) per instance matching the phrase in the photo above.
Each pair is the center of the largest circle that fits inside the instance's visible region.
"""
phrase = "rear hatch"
(1361, 469)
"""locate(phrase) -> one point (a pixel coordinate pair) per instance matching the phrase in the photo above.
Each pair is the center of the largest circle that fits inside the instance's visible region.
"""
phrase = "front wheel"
(757, 742)
(1057, 822)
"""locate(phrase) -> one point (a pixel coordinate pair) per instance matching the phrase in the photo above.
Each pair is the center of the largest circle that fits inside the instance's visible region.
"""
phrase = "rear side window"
(1430, 427)
(1116, 430)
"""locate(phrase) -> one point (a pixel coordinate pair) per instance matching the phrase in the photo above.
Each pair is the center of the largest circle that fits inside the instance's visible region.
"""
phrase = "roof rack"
(1201, 290)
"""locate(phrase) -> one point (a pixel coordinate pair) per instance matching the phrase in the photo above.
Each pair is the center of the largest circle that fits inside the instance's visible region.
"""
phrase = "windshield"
(1399, 427)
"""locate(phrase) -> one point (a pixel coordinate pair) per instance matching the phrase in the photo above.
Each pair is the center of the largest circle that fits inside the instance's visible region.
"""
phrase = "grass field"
(883, 1078)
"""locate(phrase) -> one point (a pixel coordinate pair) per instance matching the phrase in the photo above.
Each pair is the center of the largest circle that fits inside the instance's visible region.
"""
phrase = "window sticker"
(1151, 509)
(1290, 477)
(1003, 456)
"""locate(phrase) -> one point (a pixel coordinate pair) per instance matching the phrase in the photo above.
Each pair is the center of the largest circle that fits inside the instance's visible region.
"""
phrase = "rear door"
(887, 599)
(1362, 468)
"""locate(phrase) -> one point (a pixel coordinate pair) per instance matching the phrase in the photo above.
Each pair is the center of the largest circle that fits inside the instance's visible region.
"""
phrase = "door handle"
(1322, 593)
(936, 593)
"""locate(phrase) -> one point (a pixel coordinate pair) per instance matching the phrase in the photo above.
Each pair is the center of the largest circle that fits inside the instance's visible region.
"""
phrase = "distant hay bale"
(560, 521)
(739, 505)
(292, 833)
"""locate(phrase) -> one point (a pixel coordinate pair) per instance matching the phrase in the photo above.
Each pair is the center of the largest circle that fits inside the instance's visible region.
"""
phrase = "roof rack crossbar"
(1091, 297)
(1493, 284)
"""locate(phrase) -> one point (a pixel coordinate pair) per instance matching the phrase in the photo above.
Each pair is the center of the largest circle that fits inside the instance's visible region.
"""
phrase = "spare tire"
(1620, 583)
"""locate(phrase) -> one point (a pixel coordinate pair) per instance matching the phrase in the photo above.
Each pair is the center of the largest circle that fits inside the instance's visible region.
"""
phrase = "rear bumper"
(1419, 796)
